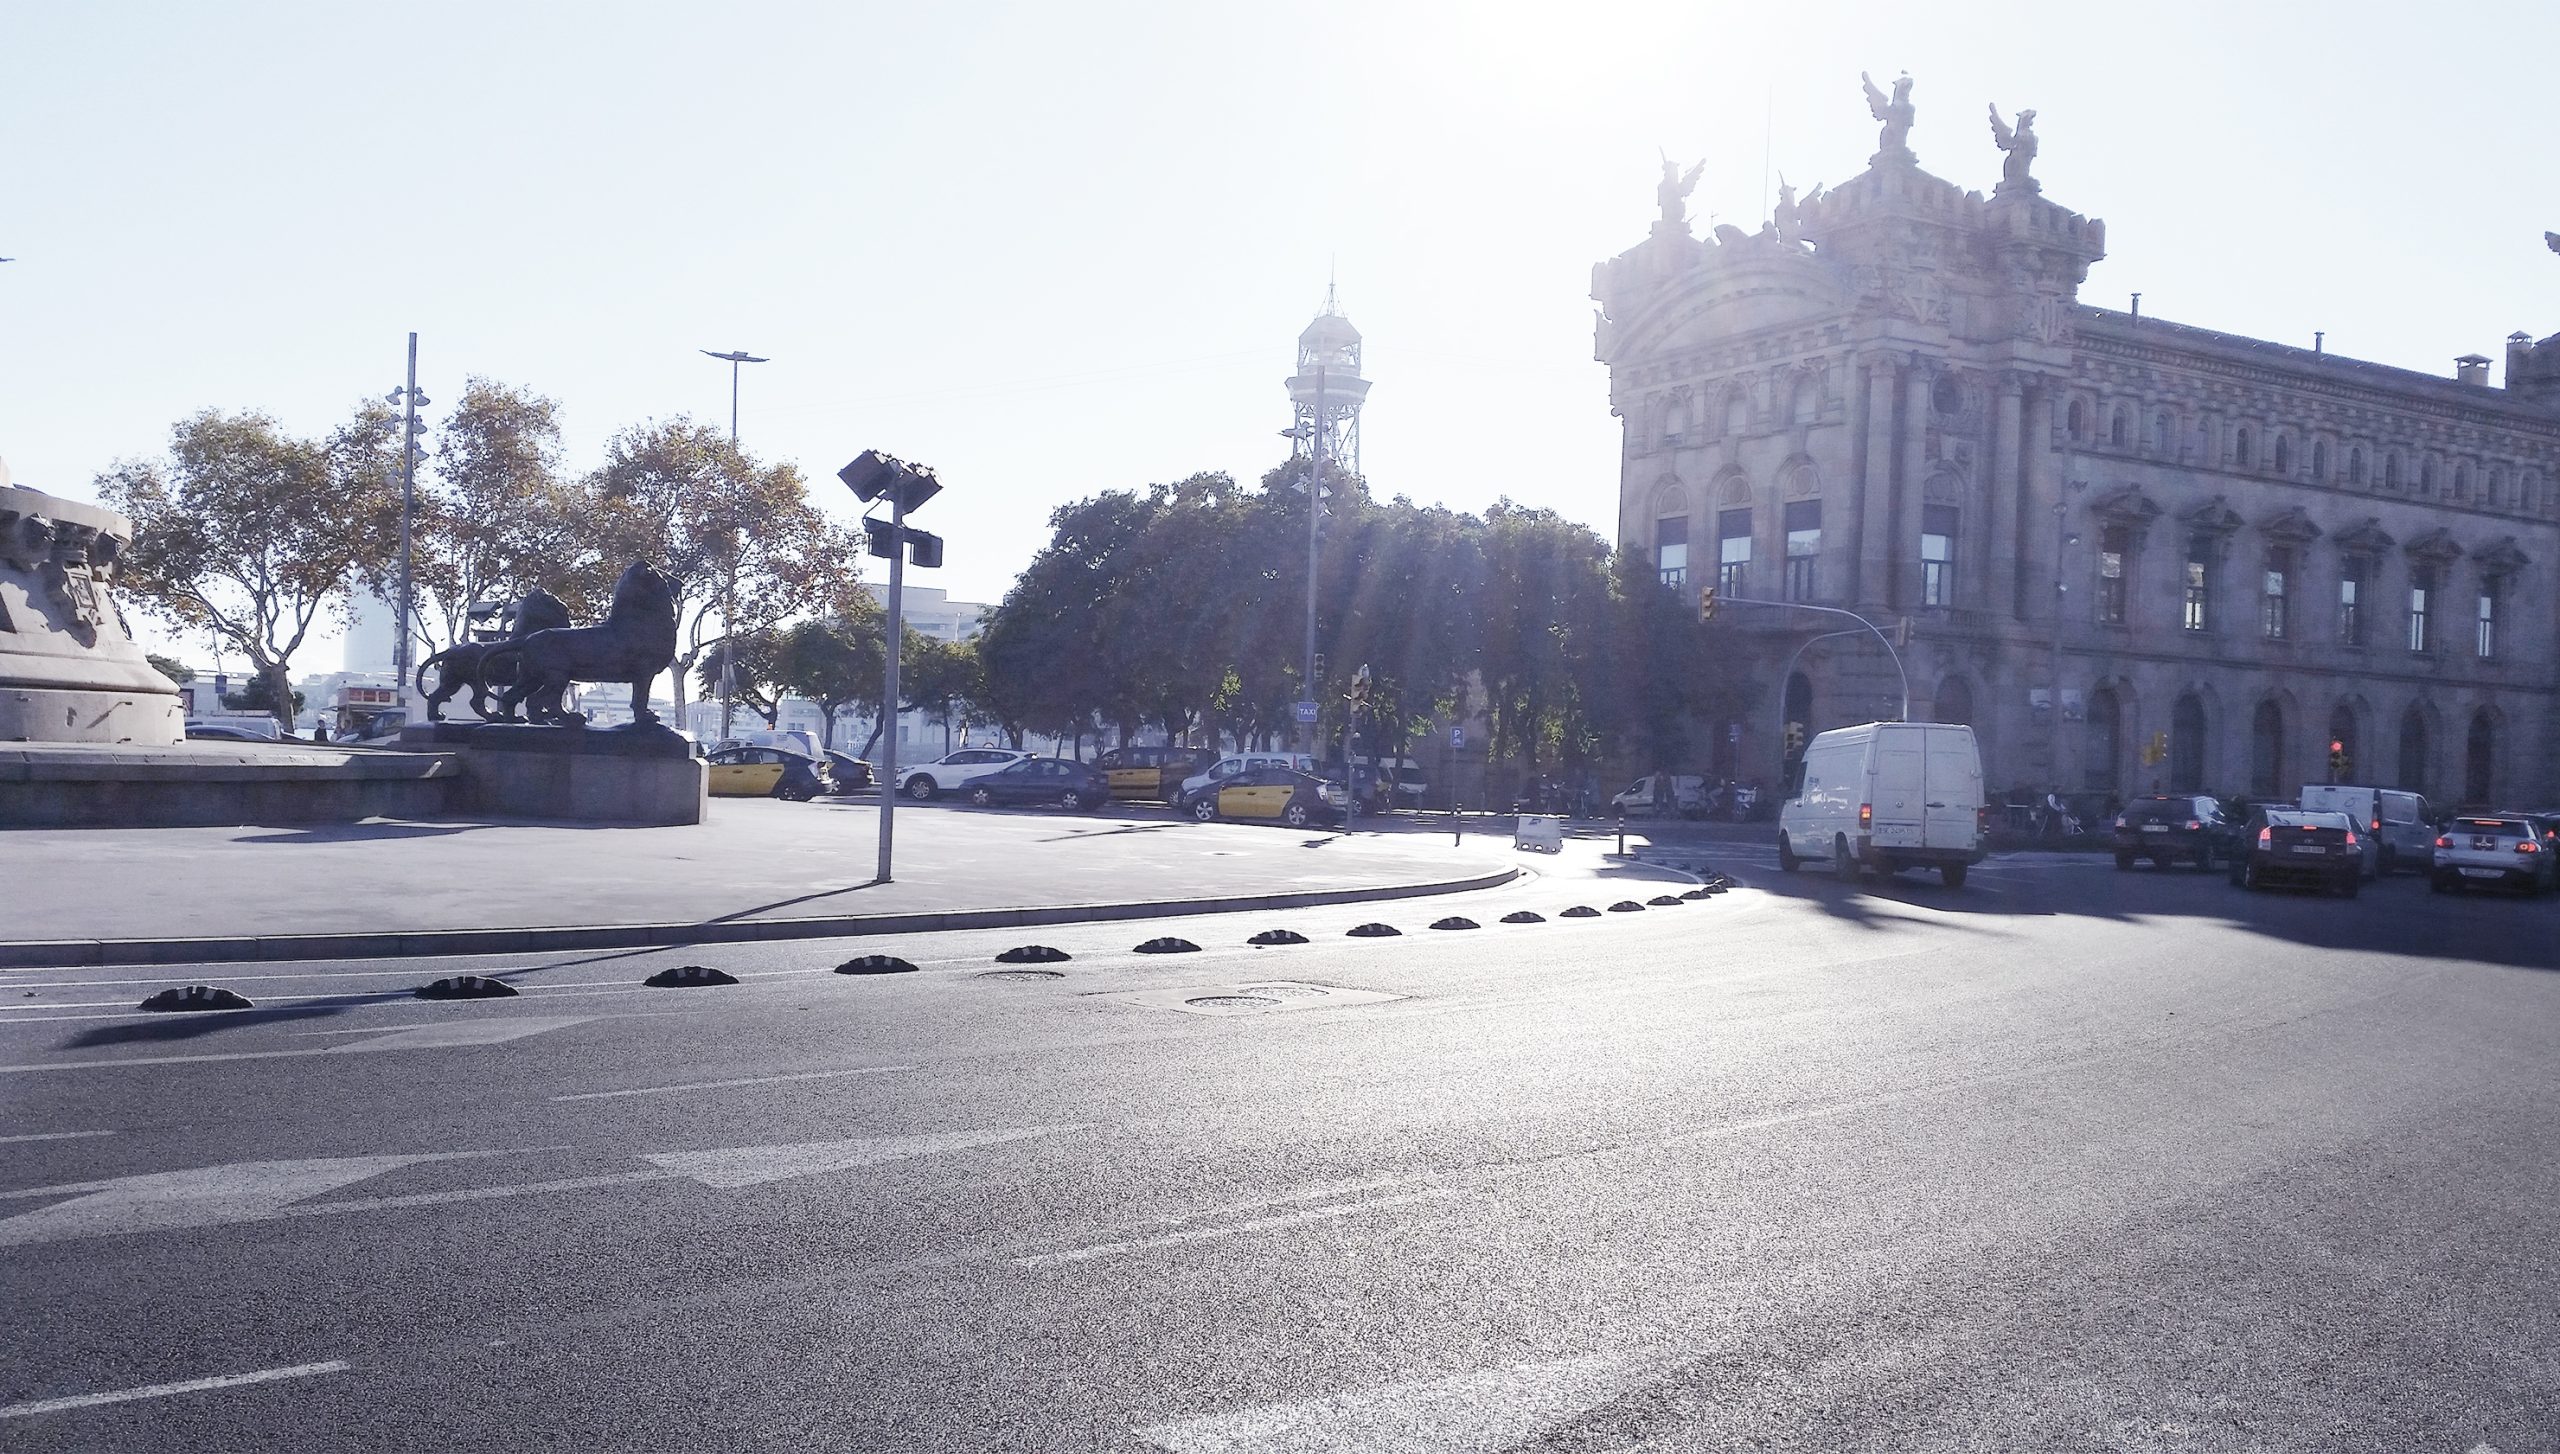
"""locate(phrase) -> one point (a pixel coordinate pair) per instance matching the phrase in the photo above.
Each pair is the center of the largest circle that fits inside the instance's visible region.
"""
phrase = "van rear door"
(1897, 787)
(1953, 807)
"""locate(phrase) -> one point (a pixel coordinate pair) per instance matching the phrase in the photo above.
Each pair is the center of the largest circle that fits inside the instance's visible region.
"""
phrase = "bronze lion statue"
(458, 665)
(635, 641)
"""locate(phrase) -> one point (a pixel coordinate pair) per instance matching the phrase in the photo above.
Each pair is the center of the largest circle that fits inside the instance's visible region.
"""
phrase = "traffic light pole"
(1863, 624)
(888, 775)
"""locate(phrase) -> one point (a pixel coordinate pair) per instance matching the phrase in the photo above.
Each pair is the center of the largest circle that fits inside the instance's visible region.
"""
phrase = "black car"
(1057, 781)
(851, 773)
(2292, 845)
(2188, 828)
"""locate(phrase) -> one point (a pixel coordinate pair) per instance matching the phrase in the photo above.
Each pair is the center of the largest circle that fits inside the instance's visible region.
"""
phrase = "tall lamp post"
(873, 476)
(729, 588)
(408, 398)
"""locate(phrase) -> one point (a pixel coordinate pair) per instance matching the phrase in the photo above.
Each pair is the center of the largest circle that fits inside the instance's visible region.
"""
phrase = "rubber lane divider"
(1580, 911)
(1524, 916)
(1455, 921)
(465, 987)
(1374, 931)
(1626, 906)
(196, 997)
(1270, 937)
(1664, 901)
(876, 964)
(689, 976)
(1034, 954)
(440, 943)
(1168, 944)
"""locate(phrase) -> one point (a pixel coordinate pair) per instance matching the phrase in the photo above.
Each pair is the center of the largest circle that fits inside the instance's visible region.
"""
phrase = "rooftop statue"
(2552, 238)
(1789, 216)
(1895, 139)
(1674, 189)
(2021, 147)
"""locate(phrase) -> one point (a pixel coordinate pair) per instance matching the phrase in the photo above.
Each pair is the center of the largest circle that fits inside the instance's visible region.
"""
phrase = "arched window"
(2120, 428)
(1946, 395)
(2164, 433)
(1800, 702)
(2284, 455)
(2100, 771)
(2266, 750)
(2413, 749)
(2479, 759)
(2076, 420)
(2355, 465)
(2462, 483)
(2427, 478)
(2391, 471)
(1737, 413)
(2186, 745)
(1807, 403)
(2320, 460)
(2342, 731)
(2244, 448)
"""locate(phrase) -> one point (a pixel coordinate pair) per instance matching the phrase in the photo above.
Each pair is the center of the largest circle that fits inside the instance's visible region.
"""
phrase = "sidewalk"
(756, 868)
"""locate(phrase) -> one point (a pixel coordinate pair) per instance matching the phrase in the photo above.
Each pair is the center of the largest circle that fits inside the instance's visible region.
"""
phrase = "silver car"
(2490, 852)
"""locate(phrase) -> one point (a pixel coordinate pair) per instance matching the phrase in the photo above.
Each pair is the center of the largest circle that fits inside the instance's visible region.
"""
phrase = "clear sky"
(1052, 249)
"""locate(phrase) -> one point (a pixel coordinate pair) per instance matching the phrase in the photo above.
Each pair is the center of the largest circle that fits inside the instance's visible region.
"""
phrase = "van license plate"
(2484, 873)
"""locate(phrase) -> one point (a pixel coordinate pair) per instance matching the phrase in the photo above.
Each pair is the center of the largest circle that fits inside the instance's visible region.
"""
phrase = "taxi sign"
(1306, 712)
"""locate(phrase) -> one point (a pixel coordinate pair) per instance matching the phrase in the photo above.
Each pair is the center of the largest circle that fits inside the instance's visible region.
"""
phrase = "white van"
(1686, 796)
(2397, 833)
(1887, 796)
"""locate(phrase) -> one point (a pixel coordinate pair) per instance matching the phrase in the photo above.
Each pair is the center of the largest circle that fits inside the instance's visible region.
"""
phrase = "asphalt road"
(2068, 1159)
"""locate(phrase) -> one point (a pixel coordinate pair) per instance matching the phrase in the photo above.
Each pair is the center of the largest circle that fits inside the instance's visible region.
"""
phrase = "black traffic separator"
(1626, 906)
(465, 987)
(1455, 921)
(196, 997)
(1276, 936)
(1034, 954)
(1524, 916)
(1168, 944)
(1664, 901)
(1580, 911)
(876, 964)
(1375, 931)
(689, 976)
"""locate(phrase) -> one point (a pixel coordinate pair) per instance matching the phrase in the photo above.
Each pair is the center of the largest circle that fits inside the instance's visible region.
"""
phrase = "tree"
(835, 662)
(939, 677)
(756, 682)
(729, 530)
(170, 667)
(498, 520)
(258, 696)
(248, 534)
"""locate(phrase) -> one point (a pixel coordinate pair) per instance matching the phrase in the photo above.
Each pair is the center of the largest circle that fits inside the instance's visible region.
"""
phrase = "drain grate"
(1287, 991)
(1020, 976)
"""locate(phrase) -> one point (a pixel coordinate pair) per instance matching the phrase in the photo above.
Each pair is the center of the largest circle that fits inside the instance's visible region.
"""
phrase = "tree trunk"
(279, 679)
(870, 742)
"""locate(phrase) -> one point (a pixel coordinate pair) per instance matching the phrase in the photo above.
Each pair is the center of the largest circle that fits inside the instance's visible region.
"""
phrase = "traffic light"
(2337, 760)
(1706, 603)
(1795, 739)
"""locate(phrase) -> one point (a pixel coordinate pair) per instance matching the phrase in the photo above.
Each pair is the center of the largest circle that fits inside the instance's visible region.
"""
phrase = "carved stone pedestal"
(68, 671)
(645, 775)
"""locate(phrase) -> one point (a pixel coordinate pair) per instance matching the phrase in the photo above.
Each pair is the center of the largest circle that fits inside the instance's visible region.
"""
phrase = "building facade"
(2136, 556)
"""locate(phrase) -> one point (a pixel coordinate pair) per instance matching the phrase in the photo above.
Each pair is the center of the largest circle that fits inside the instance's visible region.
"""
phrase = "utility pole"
(729, 586)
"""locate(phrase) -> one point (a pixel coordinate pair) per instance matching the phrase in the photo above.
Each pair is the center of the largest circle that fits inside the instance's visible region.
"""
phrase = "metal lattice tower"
(1327, 390)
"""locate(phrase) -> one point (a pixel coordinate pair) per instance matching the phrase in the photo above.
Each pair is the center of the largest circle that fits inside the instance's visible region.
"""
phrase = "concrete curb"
(436, 943)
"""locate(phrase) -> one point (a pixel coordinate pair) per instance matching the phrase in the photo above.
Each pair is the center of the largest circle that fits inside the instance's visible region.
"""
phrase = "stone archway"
(1954, 701)
(2414, 749)
(2102, 762)
(2346, 728)
(2266, 750)
(2480, 760)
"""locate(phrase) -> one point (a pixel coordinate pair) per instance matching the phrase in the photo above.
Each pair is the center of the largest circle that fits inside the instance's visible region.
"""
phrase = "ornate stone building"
(2134, 555)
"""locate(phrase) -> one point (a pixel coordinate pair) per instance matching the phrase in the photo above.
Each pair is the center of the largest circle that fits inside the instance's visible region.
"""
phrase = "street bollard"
(1622, 833)
(1457, 823)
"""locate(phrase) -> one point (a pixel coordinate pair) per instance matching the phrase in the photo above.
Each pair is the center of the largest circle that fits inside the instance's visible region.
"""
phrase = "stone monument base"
(645, 775)
(66, 714)
(216, 784)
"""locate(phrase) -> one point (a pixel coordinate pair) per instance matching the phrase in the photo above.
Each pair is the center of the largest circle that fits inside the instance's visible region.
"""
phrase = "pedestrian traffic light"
(1795, 739)
(1706, 603)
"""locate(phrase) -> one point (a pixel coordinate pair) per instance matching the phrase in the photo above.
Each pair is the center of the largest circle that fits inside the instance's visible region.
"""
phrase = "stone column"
(2001, 498)
(1902, 551)
(1875, 495)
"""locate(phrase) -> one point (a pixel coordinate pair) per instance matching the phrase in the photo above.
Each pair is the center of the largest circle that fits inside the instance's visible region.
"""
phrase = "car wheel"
(1843, 865)
(1072, 801)
(1951, 874)
(921, 788)
(1787, 860)
(1206, 810)
(1295, 815)
(792, 794)
(981, 798)
(2124, 863)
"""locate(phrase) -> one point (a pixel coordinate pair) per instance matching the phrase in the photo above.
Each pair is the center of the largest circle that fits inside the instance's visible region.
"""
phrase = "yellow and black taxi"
(1270, 795)
(767, 772)
(1152, 772)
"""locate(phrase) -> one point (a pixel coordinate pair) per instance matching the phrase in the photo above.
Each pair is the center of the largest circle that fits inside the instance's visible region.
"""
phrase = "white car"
(953, 769)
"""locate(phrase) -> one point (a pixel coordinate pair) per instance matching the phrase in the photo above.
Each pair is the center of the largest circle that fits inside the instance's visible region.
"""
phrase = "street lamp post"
(872, 476)
(729, 587)
(408, 398)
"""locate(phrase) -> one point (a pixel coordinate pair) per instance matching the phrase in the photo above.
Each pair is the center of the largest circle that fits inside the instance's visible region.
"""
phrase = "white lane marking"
(51, 1136)
(163, 1390)
(1469, 1181)
(210, 1196)
(738, 1166)
(267, 1191)
(1472, 1413)
(456, 1035)
(652, 1090)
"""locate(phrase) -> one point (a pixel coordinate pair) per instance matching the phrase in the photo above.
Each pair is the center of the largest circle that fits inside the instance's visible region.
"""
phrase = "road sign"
(1457, 737)
(1306, 713)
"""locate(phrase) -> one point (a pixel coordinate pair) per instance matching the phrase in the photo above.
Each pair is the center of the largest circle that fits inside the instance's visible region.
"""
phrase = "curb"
(438, 943)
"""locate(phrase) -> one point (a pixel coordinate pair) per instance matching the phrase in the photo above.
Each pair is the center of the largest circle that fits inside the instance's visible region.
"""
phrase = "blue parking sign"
(1457, 737)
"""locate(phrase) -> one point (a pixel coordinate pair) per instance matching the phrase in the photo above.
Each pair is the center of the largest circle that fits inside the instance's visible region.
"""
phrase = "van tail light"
(2266, 836)
(1866, 816)
(2444, 841)
(1982, 819)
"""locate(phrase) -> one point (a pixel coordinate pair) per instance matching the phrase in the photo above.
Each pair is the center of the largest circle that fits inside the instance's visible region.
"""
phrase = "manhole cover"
(1231, 1002)
(1021, 976)
(1285, 991)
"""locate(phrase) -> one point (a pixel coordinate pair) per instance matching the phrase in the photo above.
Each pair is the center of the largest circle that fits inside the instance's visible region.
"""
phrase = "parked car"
(1236, 762)
(1271, 795)
(2166, 830)
(850, 772)
(1154, 772)
(955, 770)
(1059, 781)
(1887, 796)
(2297, 845)
(240, 731)
(2491, 851)
(767, 772)
(2394, 823)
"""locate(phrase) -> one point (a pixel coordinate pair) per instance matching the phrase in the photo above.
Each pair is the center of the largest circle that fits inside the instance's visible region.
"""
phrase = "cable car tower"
(1327, 390)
